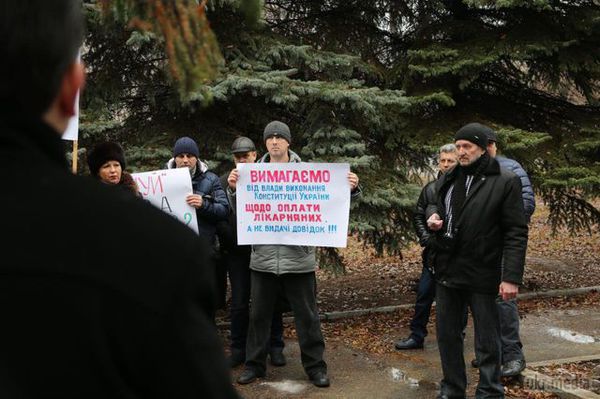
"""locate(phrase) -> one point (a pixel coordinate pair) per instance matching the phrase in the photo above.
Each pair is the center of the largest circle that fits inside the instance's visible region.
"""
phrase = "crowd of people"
(127, 309)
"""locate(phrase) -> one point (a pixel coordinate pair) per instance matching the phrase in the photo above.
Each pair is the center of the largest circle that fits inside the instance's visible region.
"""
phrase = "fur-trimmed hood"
(293, 157)
(201, 165)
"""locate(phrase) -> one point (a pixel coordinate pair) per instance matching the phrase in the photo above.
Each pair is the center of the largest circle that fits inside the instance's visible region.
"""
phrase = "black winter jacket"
(490, 237)
(426, 198)
(227, 229)
(101, 295)
(215, 207)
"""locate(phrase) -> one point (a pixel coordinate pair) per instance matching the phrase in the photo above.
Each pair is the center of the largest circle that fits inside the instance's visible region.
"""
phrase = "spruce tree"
(377, 84)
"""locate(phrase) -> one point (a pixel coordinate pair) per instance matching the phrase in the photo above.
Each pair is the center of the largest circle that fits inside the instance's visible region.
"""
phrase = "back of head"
(39, 39)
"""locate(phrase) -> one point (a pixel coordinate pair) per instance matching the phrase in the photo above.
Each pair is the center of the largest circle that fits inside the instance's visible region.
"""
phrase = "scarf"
(458, 192)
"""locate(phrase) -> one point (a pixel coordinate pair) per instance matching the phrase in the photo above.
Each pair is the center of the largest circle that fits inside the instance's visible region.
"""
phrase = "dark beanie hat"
(187, 145)
(475, 133)
(104, 152)
(279, 129)
(491, 134)
(242, 144)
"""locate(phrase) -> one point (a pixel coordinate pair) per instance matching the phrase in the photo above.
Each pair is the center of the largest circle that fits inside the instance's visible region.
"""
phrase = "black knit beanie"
(186, 145)
(102, 153)
(474, 132)
(277, 128)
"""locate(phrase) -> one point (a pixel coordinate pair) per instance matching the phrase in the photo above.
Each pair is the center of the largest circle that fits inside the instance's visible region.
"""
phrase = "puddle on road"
(398, 375)
(287, 386)
(571, 336)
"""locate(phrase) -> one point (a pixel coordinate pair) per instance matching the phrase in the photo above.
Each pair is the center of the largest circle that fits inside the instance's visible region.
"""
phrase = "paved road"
(547, 334)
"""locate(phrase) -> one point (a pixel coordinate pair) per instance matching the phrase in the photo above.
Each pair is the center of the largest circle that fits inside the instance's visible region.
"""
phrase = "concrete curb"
(533, 379)
(329, 316)
(564, 360)
(386, 309)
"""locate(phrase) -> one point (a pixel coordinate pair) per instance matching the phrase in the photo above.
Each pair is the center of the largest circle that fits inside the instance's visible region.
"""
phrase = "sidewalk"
(546, 334)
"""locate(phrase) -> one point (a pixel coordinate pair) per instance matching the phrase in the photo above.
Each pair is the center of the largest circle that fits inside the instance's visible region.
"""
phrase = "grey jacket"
(281, 259)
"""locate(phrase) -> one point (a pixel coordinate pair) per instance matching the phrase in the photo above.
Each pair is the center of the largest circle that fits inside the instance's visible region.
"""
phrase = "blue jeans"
(451, 305)
(425, 297)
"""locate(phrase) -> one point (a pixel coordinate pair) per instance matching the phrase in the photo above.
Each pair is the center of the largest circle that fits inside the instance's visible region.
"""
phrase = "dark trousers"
(300, 291)
(512, 348)
(239, 277)
(451, 305)
(425, 297)
(423, 303)
(509, 331)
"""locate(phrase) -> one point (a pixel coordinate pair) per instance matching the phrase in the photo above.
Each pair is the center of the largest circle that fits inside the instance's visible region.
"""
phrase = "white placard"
(167, 189)
(72, 131)
(293, 204)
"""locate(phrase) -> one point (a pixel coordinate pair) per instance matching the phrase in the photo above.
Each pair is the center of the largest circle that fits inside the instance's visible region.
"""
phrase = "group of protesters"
(106, 296)
(273, 278)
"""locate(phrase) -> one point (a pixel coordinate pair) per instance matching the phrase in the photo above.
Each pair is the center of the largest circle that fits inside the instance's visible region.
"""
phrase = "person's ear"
(72, 82)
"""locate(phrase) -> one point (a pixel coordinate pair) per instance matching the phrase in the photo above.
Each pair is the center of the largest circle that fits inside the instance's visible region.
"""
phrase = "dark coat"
(227, 229)
(101, 295)
(215, 207)
(426, 199)
(490, 235)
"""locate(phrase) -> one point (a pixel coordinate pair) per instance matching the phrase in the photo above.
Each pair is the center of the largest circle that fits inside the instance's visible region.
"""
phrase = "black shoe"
(475, 363)
(320, 379)
(234, 361)
(408, 343)
(513, 368)
(277, 358)
(249, 375)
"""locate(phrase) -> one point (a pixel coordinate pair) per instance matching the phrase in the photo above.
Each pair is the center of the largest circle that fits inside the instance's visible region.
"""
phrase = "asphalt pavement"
(547, 334)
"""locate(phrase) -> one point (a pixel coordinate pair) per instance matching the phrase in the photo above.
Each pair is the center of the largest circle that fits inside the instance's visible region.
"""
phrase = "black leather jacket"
(426, 199)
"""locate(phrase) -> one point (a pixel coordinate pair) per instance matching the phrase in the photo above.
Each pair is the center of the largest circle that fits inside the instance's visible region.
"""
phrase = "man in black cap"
(287, 270)
(478, 254)
(101, 295)
(513, 359)
(236, 259)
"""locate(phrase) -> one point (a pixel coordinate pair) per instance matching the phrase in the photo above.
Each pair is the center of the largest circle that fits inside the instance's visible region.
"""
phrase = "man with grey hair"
(447, 159)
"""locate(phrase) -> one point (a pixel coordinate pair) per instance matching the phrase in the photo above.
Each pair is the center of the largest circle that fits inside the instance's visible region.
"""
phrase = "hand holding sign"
(293, 203)
(168, 190)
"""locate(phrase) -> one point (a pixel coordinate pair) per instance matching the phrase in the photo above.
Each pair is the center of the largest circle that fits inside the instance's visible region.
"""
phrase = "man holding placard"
(208, 198)
(288, 270)
(236, 259)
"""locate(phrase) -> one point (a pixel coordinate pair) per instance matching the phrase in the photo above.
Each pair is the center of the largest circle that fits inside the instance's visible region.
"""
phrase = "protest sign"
(167, 189)
(72, 131)
(293, 204)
